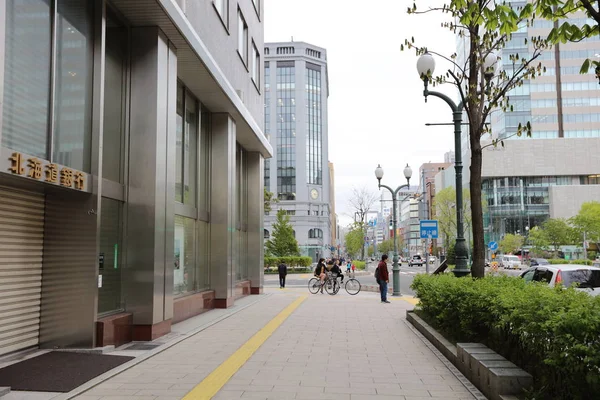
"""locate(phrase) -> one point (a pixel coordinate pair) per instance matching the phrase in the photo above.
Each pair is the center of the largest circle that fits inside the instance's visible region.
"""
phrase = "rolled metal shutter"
(21, 247)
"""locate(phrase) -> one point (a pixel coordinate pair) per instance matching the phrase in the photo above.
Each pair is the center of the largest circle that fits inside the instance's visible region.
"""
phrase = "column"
(222, 208)
(256, 206)
(150, 196)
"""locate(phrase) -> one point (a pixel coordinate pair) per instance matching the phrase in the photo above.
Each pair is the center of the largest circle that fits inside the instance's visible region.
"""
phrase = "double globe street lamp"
(426, 67)
(395, 266)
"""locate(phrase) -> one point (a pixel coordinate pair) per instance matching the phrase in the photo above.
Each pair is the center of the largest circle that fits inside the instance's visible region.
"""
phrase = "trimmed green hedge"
(576, 262)
(552, 333)
(289, 261)
(360, 265)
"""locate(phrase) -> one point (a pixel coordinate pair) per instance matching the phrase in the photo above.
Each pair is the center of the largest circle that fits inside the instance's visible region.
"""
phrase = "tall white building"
(296, 92)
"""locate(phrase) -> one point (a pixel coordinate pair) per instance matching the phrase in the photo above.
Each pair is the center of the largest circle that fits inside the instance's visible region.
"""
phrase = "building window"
(255, 65)
(286, 130)
(315, 233)
(314, 145)
(186, 147)
(27, 89)
(240, 244)
(242, 37)
(266, 234)
(267, 123)
(222, 7)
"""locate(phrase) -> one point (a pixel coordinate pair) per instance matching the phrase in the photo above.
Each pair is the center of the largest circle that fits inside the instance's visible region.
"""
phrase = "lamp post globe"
(379, 172)
(425, 66)
(490, 62)
(407, 172)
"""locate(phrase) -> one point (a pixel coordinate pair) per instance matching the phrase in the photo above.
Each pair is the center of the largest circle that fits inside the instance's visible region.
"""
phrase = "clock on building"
(314, 193)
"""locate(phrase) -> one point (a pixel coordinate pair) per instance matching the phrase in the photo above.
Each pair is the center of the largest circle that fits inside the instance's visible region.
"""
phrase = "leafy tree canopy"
(588, 220)
(511, 243)
(354, 239)
(282, 242)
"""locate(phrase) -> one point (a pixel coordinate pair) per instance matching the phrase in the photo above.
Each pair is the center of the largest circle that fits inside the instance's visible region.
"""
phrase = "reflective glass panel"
(27, 76)
(184, 273)
(179, 147)
(73, 90)
(190, 150)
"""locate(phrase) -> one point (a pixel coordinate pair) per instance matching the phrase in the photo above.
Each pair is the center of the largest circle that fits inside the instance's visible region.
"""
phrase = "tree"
(445, 209)
(588, 221)
(354, 239)
(386, 246)
(511, 243)
(487, 27)
(360, 202)
(557, 232)
(538, 240)
(557, 10)
(282, 242)
(269, 200)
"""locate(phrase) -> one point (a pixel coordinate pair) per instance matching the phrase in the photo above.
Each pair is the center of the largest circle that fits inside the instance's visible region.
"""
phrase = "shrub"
(359, 264)
(553, 333)
(563, 261)
(291, 261)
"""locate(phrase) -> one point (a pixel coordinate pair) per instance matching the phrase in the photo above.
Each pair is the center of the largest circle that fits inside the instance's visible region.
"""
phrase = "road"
(406, 277)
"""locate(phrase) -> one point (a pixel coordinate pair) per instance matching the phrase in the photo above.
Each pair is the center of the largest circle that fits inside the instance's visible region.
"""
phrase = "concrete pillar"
(256, 206)
(222, 208)
(151, 184)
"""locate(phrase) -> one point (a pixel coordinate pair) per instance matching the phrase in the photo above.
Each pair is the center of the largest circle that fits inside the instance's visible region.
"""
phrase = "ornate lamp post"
(395, 266)
(425, 67)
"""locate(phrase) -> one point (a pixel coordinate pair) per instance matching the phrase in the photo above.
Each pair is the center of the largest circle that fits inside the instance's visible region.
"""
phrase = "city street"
(406, 277)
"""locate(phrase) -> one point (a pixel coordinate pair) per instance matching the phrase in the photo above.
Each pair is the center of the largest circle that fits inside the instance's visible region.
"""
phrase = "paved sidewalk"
(330, 347)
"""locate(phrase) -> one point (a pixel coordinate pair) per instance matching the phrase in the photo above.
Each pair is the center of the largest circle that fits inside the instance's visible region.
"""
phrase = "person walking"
(348, 266)
(383, 277)
(282, 269)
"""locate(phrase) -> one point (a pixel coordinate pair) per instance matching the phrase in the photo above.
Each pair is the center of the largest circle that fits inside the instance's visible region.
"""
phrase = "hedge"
(359, 264)
(289, 261)
(552, 333)
(577, 262)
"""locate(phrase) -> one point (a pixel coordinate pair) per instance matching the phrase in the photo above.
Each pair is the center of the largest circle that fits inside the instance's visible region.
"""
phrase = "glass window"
(222, 7)
(115, 81)
(179, 147)
(27, 76)
(242, 37)
(73, 84)
(190, 150)
(184, 274)
(255, 65)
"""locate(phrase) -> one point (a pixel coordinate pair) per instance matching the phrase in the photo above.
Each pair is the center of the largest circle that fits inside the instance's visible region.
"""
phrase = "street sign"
(429, 229)
(493, 246)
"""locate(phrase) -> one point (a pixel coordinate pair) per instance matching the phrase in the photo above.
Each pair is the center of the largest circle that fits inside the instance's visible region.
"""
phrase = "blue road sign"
(429, 229)
(493, 246)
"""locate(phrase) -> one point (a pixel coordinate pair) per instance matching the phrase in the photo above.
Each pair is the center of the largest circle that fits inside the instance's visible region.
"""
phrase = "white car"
(510, 262)
(431, 259)
(586, 279)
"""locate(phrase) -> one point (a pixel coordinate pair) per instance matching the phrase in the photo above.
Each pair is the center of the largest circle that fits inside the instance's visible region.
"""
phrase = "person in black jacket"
(282, 269)
(337, 270)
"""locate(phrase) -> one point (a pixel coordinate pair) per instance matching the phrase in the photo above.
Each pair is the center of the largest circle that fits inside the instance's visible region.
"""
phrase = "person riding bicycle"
(321, 271)
(337, 270)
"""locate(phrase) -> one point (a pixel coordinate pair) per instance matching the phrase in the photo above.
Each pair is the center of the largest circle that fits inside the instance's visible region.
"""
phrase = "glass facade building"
(130, 170)
(297, 109)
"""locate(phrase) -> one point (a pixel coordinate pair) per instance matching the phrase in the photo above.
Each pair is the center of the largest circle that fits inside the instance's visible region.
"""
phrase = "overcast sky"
(377, 113)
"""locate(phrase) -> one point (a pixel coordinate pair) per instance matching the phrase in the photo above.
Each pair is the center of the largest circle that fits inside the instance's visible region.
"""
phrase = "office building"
(296, 92)
(550, 174)
(131, 166)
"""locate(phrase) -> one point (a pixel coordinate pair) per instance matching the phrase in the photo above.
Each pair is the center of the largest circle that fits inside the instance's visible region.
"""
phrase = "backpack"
(377, 274)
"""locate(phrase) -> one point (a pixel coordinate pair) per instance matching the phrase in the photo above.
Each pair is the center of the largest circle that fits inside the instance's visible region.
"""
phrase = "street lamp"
(395, 266)
(425, 68)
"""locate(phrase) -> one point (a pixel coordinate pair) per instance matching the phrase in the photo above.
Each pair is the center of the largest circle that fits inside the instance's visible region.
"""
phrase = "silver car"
(585, 278)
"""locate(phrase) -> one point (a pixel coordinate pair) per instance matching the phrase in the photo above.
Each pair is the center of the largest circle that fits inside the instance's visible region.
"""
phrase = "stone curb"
(4, 391)
(497, 380)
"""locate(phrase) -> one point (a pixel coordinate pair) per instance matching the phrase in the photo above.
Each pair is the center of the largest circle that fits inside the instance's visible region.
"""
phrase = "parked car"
(510, 262)
(416, 260)
(431, 259)
(586, 279)
(538, 261)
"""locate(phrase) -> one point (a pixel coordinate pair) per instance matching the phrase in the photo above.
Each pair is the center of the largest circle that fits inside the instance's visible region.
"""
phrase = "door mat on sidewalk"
(57, 371)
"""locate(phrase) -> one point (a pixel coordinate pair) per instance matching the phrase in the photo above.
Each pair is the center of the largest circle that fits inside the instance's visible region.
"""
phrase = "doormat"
(57, 371)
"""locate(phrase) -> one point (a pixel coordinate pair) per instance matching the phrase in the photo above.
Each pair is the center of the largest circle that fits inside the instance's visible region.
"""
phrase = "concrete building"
(131, 179)
(296, 92)
(556, 170)
(332, 214)
(427, 173)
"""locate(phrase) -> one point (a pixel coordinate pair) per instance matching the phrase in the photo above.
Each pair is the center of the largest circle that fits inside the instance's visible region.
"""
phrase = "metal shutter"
(21, 246)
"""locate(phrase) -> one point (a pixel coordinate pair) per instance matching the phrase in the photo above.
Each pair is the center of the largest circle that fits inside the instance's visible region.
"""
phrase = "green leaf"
(585, 67)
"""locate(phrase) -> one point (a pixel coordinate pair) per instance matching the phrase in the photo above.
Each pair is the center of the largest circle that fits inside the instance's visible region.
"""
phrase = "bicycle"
(332, 286)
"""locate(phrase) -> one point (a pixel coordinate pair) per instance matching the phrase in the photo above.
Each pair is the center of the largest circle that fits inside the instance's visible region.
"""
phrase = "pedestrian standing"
(353, 267)
(383, 277)
(349, 266)
(282, 269)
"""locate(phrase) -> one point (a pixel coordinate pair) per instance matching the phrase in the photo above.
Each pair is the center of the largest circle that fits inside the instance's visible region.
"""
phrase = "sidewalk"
(321, 347)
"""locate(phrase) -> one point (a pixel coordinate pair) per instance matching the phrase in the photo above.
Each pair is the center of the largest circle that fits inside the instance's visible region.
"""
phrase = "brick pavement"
(330, 347)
